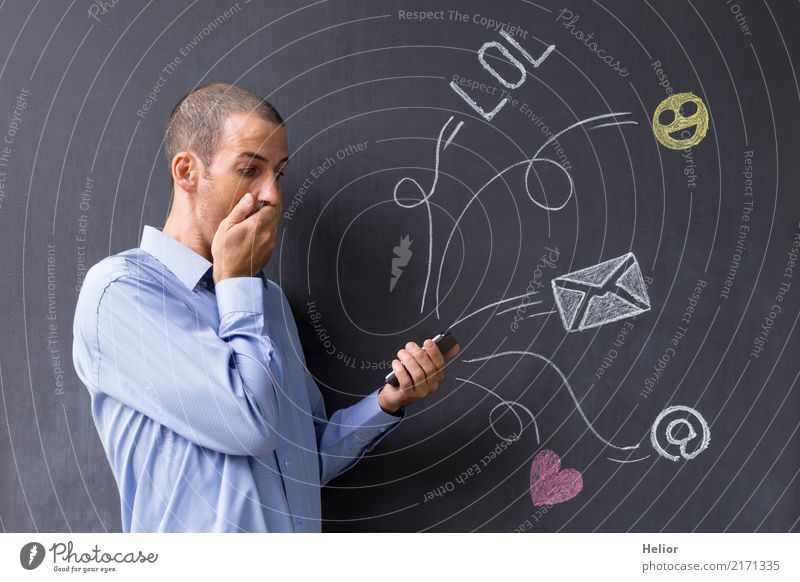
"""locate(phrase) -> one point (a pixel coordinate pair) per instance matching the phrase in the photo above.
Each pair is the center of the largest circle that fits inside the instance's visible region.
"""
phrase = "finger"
(436, 357)
(423, 359)
(434, 352)
(241, 210)
(418, 376)
(402, 375)
(267, 219)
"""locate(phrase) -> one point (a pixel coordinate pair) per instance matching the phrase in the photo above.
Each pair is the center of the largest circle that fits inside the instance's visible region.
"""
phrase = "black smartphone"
(444, 340)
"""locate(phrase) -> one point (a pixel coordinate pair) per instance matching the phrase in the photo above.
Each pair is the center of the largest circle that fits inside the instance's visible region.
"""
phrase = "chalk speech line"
(669, 432)
(426, 196)
(566, 383)
(510, 404)
(485, 307)
(529, 162)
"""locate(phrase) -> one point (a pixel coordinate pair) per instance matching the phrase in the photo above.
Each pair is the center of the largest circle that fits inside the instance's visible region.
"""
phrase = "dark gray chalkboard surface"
(449, 170)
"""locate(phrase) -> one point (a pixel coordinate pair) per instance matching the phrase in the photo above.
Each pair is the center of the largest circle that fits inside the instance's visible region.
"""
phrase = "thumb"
(241, 210)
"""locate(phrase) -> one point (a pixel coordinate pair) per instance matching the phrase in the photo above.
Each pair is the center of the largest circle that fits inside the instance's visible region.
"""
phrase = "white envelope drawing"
(603, 293)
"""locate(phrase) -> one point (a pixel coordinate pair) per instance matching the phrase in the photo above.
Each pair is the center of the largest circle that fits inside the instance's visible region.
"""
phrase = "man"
(200, 394)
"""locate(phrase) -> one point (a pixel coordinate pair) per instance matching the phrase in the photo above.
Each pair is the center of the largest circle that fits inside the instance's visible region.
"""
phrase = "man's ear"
(186, 170)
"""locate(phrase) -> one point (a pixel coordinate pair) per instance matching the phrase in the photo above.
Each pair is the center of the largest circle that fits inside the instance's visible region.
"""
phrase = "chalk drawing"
(528, 57)
(402, 254)
(485, 307)
(613, 124)
(425, 197)
(510, 405)
(522, 305)
(691, 129)
(520, 67)
(549, 485)
(488, 116)
(681, 442)
(471, 102)
(600, 294)
(566, 384)
(529, 163)
(541, 313)
(629, 460)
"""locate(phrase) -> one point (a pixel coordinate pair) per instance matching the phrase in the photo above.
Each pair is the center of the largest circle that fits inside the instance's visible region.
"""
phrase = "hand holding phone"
(445, 342)
(416, 372)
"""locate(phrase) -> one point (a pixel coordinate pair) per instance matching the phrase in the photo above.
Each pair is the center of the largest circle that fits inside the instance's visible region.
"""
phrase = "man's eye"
(280, 175)
(249, 172)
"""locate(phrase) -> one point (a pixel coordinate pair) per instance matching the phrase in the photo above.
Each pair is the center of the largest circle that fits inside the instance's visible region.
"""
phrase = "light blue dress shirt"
(200, 393)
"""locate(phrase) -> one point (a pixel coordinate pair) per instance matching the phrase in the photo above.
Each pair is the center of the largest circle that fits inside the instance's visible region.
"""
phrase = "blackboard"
(449, 169)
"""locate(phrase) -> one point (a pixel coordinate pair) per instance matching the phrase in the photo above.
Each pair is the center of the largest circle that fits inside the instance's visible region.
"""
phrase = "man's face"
(250, 157)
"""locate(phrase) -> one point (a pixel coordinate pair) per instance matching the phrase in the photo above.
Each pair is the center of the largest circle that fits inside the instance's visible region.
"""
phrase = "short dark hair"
(197, 120)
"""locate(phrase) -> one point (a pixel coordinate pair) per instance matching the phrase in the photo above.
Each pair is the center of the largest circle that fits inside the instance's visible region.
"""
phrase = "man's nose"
(269, 192)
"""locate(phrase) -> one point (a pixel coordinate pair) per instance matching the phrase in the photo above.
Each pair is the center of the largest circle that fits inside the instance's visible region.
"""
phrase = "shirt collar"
(186, 264)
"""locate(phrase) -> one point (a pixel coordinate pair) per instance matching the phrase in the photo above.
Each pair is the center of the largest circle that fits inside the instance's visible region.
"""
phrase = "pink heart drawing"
(549, 485)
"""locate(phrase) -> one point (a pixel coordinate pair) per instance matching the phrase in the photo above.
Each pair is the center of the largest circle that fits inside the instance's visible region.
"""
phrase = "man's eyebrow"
(255, 156)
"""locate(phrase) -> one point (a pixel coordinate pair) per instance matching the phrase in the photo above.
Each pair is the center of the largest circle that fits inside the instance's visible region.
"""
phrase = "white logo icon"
(402, 256)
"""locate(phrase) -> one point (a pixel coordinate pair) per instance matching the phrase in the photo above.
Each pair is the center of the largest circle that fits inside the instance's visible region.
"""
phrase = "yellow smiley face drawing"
(680, 121)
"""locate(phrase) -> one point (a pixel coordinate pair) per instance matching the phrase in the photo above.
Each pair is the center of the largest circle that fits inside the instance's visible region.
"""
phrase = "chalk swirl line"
(566, 383)
(529, 162)
(425, 199)
(510, 404)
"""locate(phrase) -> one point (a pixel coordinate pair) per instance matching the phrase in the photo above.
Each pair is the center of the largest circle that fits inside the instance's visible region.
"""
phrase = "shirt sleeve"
(350, 432)
(215, 387)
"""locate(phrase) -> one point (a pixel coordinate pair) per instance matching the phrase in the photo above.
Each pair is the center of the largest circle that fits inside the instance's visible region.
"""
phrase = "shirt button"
(383, 429)
(286, 463)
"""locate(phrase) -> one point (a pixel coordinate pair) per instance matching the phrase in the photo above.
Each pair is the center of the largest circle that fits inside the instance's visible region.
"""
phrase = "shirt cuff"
(240, 294)
(372, 420)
